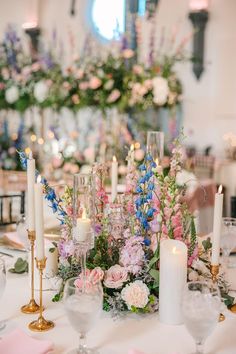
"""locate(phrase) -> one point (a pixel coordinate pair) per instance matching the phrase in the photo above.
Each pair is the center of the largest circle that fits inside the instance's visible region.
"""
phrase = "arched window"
(108, 17)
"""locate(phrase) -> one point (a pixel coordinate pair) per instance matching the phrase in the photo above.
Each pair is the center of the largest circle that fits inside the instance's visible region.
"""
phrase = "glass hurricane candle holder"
(155, 145)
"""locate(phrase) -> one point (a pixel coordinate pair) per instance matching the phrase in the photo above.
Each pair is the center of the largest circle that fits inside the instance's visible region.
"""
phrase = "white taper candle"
(114, 178)
(39, 219)
(218, 208)
(30, 192)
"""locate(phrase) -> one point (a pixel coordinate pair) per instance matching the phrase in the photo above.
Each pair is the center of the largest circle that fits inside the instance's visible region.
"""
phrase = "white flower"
(199, 266)
(135, 294)
(41, 91)
(160, 90)
(193, 275)
(12, 94)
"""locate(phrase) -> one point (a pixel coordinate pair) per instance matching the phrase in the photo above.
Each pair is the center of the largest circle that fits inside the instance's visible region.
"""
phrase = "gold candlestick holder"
(41, 325)
(214, 273)
(32, 306)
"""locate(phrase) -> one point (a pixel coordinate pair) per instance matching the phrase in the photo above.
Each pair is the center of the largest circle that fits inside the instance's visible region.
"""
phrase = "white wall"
(209, 104)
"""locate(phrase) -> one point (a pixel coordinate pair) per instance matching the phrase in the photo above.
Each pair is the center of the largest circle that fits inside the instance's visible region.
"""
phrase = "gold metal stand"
(41, 325)
(32, 306)
(214, 273)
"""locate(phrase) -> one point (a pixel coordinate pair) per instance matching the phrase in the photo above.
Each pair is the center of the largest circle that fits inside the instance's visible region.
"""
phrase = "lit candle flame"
(174, 250)
(39, 179)
(132, 147)
(220, 189)
(114, 159)
(157, 161)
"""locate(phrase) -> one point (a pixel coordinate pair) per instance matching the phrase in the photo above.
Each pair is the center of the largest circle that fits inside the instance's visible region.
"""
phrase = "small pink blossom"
(94, 83)
(138, 69)
(115, 277)
(2, 86)
(113, 97)
(128, 53)
(96, 275)
(153, 245)
(75, 99)
(84, 85)
(66, 85)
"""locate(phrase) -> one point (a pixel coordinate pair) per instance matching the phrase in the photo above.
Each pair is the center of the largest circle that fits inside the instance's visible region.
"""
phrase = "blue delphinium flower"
(151, 186)
(147, 242)
(142, 167)
(139, 189)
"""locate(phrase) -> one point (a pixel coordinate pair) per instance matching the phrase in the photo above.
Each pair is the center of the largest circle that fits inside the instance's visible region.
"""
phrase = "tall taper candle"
(39, 219)
(30, 192)
(173, 277)
(217, 227)
(114, 178)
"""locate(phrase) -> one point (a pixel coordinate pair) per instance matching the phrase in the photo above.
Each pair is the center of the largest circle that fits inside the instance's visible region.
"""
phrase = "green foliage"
(207, 244)
(20, 267)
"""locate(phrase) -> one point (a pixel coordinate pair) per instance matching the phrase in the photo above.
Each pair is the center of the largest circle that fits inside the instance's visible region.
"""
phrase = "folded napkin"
(18, 342)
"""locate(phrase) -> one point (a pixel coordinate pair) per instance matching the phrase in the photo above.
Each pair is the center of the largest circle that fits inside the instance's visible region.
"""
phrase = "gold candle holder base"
(214, 273)
(41, 325)
(32, 306)
(233, 308)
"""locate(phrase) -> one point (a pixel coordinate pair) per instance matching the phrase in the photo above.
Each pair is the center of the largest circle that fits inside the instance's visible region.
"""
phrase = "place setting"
(117, 178)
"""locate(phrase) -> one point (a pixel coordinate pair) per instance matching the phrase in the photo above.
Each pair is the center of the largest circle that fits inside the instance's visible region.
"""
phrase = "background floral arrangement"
(125, 256)
(115, 81)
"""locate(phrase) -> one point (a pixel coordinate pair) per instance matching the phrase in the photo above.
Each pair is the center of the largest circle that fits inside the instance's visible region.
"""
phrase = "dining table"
(110, 335)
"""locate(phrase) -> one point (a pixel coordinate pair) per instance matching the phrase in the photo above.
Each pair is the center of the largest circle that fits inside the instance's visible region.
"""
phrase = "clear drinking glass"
(201, 309)
(2, 286)
(83, 306)
(228, 238)
(155, 145)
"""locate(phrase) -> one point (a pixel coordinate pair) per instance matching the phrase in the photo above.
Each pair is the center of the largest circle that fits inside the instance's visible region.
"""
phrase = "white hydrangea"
(41, 91)
(12, 94)
(135, 294)
(160, 90)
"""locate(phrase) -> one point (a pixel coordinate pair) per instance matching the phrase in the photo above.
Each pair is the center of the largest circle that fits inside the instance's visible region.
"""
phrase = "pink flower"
(178, 232)
(132, 254)
(56, 162)
(128, 53)
(35, 67)
(84, 85)
(115, 277)
(148, 84)
(79, 74)
(94, 83)
(114, 95)
(96, 275)
(2, 86)
(135, 294)
(164, 229)
(193, 256)
(153, 245)
(167, 212)
(75, 99)
(66, 85)
(137, 69)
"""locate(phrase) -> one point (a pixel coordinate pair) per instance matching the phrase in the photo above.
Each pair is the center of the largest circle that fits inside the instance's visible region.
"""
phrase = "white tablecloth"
(144, 333)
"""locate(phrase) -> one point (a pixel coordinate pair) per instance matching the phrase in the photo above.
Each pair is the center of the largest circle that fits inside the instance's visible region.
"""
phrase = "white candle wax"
(39, 220)
(131, 156)
(114, 178)
(217, 227)
(173, 277)
(83, 228)
(30, 192)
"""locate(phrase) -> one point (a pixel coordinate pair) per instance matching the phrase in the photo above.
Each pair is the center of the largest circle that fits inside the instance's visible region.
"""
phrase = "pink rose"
(128, 53)
(114, 95)
(83, 85)
(35, 67)
(96, 275)
(94, 83)
(115, 277)
(148, 84)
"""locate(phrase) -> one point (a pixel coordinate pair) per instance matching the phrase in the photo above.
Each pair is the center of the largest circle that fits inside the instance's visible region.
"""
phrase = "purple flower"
(66, 248)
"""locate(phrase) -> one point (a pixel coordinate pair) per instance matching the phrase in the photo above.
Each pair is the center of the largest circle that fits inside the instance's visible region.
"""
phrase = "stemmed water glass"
(228, 238)
(83, 305)
(2, 286)
(201, 308)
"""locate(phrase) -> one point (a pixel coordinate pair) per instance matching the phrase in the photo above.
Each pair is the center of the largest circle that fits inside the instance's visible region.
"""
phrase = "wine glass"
(228, 238)
(2, 285)
(83, 303)
(201, 309)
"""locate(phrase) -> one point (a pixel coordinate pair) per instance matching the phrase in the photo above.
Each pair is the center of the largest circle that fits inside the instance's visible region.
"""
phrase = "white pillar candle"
(114, 178)
(39, 220)
(173, 277)
(83, 227)
(217, 227)
(30, 192)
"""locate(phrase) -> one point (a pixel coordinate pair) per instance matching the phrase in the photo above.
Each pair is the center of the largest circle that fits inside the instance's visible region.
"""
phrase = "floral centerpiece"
(126, 259)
